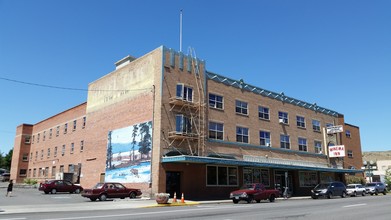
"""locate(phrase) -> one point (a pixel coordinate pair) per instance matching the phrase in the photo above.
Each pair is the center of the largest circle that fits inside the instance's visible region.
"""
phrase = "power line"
(68, 88)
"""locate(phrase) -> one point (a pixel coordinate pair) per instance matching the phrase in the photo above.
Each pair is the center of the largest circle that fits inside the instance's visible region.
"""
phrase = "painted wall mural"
(128, 157)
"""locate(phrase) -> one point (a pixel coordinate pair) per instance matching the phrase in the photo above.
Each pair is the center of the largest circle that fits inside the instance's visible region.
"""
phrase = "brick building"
(163, 123)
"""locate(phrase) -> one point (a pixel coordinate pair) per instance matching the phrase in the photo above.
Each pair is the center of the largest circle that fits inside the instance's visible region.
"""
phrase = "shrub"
(30, 181)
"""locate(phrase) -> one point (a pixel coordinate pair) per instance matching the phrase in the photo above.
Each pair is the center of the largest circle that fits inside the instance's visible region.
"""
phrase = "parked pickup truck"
(254, 191)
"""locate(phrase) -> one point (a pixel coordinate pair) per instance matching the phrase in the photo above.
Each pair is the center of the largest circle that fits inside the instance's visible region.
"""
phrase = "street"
(368, 207)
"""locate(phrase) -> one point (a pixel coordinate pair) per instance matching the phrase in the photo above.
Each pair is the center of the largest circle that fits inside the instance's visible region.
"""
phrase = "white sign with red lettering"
(337, 151)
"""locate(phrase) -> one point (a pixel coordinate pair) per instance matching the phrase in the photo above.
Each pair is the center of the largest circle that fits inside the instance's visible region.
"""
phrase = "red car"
(255, 191)
(103, 191)
(54, 186)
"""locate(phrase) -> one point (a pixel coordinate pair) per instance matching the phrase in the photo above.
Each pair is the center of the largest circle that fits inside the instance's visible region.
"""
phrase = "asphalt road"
(368, 207)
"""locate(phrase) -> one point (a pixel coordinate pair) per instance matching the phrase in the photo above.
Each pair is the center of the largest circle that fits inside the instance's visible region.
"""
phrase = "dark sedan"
(103, 191)
(54, 186)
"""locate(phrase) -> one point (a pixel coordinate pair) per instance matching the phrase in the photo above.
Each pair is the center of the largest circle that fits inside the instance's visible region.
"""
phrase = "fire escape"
(189, 108)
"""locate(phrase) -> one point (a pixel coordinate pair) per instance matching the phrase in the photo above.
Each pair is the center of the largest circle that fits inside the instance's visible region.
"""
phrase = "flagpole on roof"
(180, 31)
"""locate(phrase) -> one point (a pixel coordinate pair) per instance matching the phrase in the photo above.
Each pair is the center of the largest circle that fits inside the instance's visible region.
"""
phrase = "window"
(216, 131)
(65, 128)
(33, 139)
(215, 101)
(31, 156)
(184, 93)
(242, 134)
(221, 176)
(41, 154)
(38, 136)
(55, 152)
(183, 124)
(316, 125)
(25, 157)
(57, 131)
(46, 171)
(50, 133)
(241, 107)
(22, 172)
(84, 122)
(263, 113)
(318, 147)
(81, 146)
(72, 147)
(74, 125)
(36, 155)
(63, 150)
(61, 168)
(34, 172)
(71, 168)
(53, 171)
(350, 153)
(347, 133)
(48, 152)
(256, 175)
(284, 141)
(44, 136)
(308, 178)
(283, 117)
(300, 121)
(264, 138)
(329, 125)
(302, 144)
(27, 139)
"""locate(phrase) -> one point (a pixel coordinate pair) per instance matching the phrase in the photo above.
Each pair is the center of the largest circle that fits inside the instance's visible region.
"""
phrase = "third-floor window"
(184, 92)
(215, 101)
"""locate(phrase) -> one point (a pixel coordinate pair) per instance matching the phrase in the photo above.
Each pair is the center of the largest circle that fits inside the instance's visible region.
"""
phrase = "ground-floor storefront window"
(308, 178)
(256, 175)
(222, 176)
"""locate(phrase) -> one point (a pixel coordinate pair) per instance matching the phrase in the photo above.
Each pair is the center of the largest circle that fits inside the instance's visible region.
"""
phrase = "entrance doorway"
(283, 179)
(173, 183)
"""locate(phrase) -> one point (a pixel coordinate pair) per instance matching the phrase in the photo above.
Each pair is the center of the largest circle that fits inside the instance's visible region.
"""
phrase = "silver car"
(355, 189)
(376, 188)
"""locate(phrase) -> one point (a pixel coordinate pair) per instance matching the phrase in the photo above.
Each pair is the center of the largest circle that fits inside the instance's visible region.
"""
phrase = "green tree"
(146, 138)
(7, 160)
(388, 179)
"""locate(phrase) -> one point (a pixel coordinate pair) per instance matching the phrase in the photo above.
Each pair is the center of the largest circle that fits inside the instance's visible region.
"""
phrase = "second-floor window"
(216, 130)
(65, 128)
(74, 125)
(183, 124)
(242, 134)
(57, 131)
(48, 152)
(302, 144)
(184, 92)
(285, 141)
(241, 107)
(350, 153)
(63, 150)
(55, 152)
(264, 138)
(318, 147)
(72, 147)
(215, 101)
(81, 146)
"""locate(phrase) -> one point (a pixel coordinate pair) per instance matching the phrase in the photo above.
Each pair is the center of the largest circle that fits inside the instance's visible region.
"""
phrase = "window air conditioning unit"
(281, 120)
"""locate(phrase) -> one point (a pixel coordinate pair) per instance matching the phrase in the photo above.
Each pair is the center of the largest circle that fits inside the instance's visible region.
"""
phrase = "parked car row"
(100, 191)
(331, 189)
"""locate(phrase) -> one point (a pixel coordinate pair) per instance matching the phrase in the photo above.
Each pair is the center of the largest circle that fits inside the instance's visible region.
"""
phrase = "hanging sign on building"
(337, 151)
(334, 129)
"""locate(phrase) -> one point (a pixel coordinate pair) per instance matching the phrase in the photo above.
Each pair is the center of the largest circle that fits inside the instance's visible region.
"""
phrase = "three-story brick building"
(163, 123)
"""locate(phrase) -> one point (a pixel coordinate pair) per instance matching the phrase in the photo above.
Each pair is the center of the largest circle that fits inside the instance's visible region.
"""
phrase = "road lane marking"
(142, 213)
(355, 205)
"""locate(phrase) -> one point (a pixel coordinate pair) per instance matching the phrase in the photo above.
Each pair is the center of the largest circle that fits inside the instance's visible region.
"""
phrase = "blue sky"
(336, 53)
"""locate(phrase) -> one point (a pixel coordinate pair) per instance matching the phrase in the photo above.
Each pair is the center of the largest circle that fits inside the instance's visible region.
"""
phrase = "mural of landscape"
(128, 157)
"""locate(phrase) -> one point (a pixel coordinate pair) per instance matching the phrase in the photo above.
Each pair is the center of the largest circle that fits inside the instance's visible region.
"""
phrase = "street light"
(369, 167)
